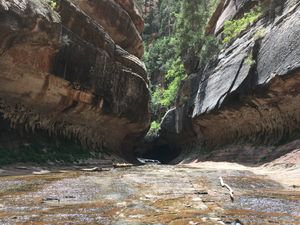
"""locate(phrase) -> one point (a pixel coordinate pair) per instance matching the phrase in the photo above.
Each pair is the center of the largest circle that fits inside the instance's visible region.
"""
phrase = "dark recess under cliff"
(163, 152)
(245, 106)
(65, 75)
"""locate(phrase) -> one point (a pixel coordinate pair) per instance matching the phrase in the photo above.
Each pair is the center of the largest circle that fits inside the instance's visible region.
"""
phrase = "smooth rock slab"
(149, 195)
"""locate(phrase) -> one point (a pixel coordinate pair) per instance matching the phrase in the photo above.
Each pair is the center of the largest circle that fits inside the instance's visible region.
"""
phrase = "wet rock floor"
(152, 194)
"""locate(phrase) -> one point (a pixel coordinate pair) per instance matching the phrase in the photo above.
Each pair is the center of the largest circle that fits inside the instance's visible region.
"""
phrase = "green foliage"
(159, 54)
(154, 128)
(169, 10)
(156, 96)
(174, 76)
(190, 26)
(249, 60)
(260, 33)
(233, 28)
(161, 21)
(174, 30)
(210, 48)
(165, 97)
(53, 3)
(212, 6)
(160, 57)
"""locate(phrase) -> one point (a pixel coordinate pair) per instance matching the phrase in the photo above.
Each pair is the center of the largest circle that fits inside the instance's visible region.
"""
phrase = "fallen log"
(122, 165)
(228, 187)
(95, 169)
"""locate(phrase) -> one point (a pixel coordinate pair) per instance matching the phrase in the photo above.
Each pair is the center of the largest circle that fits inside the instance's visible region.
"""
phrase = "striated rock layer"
(249, 97)
(118, 22)
(63, 74)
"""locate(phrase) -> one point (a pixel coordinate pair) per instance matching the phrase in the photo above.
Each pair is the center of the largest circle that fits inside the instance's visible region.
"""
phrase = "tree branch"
(228, 187)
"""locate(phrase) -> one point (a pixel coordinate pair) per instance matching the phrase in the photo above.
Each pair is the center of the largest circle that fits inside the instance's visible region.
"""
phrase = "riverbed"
(149, 194)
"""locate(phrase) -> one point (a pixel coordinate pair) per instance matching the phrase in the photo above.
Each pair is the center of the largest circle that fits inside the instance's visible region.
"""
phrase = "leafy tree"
(154, 128)
(190, 26)
(53, 3)
(174, 30)
(190, 30)
(232, 28)
(165, 97)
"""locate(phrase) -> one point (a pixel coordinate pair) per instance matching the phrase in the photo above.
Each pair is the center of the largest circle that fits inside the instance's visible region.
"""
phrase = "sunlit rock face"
(63, 74)
(249, 95)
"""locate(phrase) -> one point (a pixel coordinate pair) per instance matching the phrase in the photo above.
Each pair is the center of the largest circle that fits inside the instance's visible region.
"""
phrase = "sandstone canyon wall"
(246, 103)
(74, 72)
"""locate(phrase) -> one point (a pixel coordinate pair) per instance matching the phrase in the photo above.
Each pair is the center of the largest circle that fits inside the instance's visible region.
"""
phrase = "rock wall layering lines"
(64, 73)
(251, 96)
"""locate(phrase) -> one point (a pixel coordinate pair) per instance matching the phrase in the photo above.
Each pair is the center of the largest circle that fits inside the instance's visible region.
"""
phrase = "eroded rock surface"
(249, 96)
(134, 13)
(116, 21)
(63, 74)
(172, 195)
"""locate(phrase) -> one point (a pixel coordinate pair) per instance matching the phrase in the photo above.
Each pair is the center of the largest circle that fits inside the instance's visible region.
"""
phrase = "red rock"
(62, 74)
(116, 22)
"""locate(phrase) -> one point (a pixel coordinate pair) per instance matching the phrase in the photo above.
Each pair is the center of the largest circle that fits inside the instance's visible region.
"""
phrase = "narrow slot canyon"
(159, 112)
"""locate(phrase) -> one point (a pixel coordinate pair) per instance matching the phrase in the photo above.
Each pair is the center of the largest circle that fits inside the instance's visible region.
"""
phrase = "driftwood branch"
(228, 187)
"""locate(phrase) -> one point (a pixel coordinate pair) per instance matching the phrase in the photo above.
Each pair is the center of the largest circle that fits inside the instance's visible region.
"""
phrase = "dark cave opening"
(164, 153)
